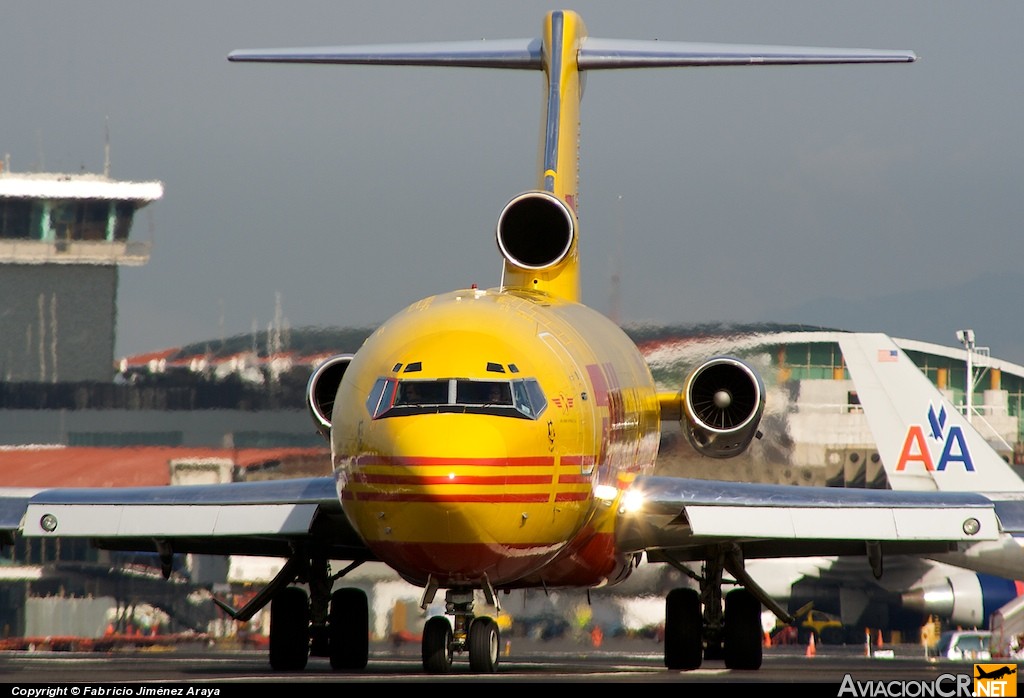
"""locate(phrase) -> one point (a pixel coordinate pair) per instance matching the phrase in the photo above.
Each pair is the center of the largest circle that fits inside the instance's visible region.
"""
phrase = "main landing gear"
(294, 635)
(335, 624)
(320, 622)
(734, 635)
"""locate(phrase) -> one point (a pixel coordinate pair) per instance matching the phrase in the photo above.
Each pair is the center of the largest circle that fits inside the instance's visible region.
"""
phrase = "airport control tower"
(62, 239)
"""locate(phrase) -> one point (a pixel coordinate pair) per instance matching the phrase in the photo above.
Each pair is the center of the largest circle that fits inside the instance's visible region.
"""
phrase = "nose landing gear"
(442, 639)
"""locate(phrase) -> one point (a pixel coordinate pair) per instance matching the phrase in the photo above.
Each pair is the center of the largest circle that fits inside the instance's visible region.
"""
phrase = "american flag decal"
(886, 355)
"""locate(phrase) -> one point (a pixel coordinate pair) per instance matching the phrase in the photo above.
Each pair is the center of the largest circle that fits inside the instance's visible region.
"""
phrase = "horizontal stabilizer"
(524, 54)
(597, 54)
(593, 54)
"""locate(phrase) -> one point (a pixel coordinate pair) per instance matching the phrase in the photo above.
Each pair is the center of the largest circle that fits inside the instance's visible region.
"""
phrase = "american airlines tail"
(925, 442)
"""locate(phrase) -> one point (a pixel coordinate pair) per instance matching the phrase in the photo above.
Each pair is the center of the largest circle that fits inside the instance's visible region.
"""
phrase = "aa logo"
(995, 679)
(954, 445)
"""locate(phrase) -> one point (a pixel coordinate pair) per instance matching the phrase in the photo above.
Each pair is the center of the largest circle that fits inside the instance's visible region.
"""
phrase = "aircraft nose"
(456, 497)
(447, 440)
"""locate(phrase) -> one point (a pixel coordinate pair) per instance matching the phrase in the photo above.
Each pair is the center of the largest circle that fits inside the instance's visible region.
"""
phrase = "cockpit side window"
(529, 398)
(381, 397)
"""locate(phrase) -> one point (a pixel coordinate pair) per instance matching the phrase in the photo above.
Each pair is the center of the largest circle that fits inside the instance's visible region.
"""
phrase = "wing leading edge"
(271, 518)
(688, 517)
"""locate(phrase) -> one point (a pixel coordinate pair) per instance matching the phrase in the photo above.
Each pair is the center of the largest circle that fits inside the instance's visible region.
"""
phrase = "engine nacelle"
(535, 230)
(322, 389)
(966, 598)
(723, 400)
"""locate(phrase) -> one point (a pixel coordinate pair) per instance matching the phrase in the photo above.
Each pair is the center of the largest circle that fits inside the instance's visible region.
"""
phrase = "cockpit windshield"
(521, 398)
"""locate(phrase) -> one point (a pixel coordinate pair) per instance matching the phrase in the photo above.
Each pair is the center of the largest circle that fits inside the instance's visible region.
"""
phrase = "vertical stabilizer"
(538, 230)
(924, 442)
(563, 35)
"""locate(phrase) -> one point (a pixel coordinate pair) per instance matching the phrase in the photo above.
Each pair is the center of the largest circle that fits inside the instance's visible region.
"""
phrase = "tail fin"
(925, 443)
(541, 252)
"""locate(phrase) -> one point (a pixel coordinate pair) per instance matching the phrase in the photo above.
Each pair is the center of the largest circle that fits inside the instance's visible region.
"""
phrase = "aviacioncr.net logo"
(942, 686)
(995, 679)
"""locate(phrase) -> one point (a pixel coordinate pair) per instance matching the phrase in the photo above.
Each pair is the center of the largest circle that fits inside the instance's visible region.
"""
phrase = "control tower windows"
(124, 211)
(19, 219)
(80, 220)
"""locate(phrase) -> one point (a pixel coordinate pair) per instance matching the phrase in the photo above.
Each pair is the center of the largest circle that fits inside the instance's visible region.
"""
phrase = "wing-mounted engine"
(722, 404)
(322, 389)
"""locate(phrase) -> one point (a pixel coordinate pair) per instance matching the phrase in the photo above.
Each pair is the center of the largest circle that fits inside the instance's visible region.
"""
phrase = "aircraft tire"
(437, 645)
(743, 638)
(484, 640)
(684, 627)
(348, 627)
(289, 630)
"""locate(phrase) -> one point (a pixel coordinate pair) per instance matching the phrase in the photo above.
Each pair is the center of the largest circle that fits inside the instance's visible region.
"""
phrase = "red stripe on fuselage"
(407, 480)
(482, 480)
(462, 497)
(522, 461)
(579, 460)
(512, 497)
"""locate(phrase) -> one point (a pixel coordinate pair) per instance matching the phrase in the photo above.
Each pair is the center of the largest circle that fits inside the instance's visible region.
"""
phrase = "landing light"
(972, 526)
(632, 502)
(606, 493)
(48, 523)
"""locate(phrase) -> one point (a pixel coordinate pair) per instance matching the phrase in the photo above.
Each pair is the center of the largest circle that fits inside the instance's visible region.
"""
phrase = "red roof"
(136, 466)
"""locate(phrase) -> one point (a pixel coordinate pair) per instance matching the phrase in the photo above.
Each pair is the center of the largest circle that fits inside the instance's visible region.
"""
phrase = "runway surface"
(522, 661)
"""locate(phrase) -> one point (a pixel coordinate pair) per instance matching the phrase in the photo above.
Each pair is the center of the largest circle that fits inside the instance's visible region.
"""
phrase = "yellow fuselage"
(459, 495)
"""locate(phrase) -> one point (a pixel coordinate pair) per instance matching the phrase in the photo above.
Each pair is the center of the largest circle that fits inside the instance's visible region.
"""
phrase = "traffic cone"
(879, 643)
(767, 639)
(811, 651)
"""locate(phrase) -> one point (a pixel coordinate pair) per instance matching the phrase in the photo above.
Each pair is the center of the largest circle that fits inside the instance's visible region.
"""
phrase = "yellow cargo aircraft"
(485, 440)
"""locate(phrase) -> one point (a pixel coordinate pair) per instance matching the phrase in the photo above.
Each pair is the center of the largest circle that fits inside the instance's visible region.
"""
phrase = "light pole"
(966, 338)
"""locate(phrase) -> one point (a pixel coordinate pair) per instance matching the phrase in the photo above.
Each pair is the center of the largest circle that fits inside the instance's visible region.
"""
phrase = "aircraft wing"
(680, 517)
(684, 519)
(266, 518)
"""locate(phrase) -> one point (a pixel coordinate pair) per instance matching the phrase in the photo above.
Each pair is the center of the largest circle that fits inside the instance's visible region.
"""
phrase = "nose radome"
(455, 439)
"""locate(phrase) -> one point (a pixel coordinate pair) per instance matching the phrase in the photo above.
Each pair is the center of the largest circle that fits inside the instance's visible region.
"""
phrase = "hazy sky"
(732, 194)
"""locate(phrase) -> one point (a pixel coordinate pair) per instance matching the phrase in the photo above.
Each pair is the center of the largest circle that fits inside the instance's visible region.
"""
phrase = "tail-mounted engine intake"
(322, 389)
(535, 230)
(723, 400)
